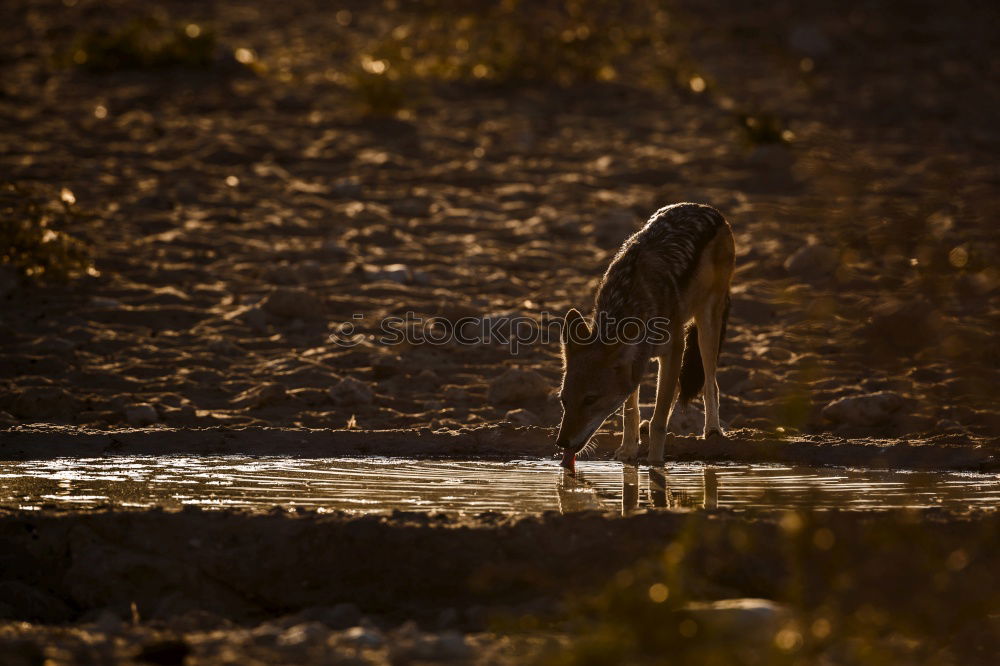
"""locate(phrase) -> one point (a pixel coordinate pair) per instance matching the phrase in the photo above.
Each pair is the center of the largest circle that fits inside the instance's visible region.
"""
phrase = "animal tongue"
(569, 461)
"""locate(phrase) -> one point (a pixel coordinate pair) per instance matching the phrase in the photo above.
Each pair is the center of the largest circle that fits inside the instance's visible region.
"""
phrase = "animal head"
(598, 374)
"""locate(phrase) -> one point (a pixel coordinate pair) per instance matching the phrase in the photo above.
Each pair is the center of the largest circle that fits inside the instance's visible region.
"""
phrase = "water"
(382, 484)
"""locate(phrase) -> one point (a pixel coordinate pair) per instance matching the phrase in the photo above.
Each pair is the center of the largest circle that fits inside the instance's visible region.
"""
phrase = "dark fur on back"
(652, 268)
(656, 263)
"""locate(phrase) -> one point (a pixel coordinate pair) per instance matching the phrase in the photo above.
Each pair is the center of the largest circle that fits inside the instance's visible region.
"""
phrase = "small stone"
(339, 616)
(903, 327)
(305, 633)
(865, 410)
(518, 386)
(292, 303)
(265, 395)
(455, 394)
(351, 391)
(104, 302)
(54, 345)
(364, 637)
(342, 615)
(753, 620)
(412, 207)
(44, 402)
(224, 347)
(347, 187)
(385, 366)
(283, 274)
(107, 621)
(141, 414)
(812, 262)
(448, 646)
(398, 273)
(522, 417)
(255, 318)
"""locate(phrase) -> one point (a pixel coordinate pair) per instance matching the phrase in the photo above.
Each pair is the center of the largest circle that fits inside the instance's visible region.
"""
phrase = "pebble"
(255, 318)
(292, 303)
(398, 273)
(740, 619)
(351, 391)
(812, 261)
(518, 386)
(865, 410)
(339, 616)
(903, 327)
(347, 187)
(141, 414)
(385, 365)
(42, 402)
(412, 207)
(307, 632)
(522, 417)
(455, 394)
(104, 302)
(364, 637)
(265, 395)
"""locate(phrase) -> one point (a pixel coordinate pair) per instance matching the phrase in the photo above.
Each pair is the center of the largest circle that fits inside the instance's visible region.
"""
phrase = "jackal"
(677, 268)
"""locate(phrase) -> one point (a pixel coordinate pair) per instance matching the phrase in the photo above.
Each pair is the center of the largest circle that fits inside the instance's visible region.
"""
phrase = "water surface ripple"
(521, 486)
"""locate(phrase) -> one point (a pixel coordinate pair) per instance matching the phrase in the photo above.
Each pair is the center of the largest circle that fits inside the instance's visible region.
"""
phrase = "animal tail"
(692, 371)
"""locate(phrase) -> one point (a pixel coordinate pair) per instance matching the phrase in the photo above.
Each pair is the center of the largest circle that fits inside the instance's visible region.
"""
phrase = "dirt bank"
(496, 442)
(133, 579)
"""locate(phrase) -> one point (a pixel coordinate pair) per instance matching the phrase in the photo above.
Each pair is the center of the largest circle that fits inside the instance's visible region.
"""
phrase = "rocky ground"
(237, 216)
(275, 170)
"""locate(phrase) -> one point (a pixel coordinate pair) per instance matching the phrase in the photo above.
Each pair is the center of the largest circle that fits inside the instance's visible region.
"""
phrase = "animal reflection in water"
(577, 494)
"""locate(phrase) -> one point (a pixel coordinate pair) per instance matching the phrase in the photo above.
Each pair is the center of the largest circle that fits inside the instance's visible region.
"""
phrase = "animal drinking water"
(675, 270)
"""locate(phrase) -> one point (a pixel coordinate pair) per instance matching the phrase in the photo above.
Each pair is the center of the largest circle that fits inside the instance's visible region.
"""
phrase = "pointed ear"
(574, 329)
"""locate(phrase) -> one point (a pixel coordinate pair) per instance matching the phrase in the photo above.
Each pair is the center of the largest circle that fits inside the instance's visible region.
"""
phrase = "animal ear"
(574, 329)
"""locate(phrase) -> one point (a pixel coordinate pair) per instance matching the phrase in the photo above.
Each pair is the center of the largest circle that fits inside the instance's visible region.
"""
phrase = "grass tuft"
(31, 245)
(144, 43)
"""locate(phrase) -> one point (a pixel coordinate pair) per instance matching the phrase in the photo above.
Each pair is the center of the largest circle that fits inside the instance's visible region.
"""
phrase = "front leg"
(666, 388)
(629, 449)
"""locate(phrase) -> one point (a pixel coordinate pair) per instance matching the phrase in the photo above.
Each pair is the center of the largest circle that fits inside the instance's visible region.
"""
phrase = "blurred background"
(195, 195)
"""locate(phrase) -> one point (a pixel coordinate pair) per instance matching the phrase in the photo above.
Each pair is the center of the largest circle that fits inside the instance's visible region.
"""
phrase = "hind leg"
(709, 320)
(630, 429)
(666, 388)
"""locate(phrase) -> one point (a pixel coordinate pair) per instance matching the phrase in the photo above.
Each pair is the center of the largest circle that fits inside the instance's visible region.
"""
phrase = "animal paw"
(626, 456)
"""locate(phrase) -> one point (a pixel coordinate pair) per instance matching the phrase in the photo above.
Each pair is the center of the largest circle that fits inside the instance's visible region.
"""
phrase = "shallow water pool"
(521, 486)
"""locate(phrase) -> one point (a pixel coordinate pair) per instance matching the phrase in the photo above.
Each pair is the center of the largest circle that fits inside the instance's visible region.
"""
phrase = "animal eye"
(589, 400)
